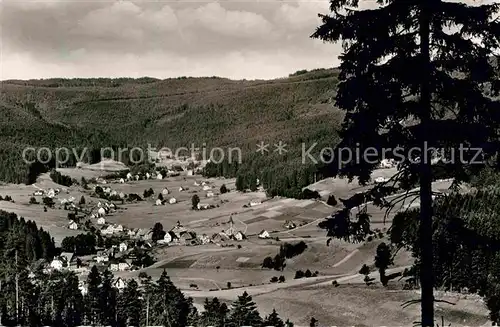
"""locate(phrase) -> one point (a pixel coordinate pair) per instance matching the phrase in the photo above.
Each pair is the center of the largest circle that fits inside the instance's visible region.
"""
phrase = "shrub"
(194, 201)
(308, 273)
(49, 202)
(281, 279)
(331, 200)
(82, 200)
(268, 263)
(274, 279)
(299, 274)
(33, 200)
(223, 189)
(134, 197)
(229, 285)
(365, 270)
(335, 283)
(8, 198)
(58, 178)
(148, 193)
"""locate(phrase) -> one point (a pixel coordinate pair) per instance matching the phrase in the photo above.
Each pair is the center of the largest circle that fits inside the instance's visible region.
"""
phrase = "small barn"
(264, 234)
(172, 201)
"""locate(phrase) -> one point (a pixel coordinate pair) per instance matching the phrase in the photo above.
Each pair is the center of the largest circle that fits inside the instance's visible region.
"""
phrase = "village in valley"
(213, 240)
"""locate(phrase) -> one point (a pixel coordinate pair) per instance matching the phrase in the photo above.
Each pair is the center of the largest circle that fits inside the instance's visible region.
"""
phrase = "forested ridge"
(97, 113)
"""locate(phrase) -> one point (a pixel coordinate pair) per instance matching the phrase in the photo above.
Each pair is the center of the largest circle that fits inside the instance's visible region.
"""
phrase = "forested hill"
(173, 113)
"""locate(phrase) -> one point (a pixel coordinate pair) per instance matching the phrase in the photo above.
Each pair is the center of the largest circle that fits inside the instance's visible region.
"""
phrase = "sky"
(252, 39)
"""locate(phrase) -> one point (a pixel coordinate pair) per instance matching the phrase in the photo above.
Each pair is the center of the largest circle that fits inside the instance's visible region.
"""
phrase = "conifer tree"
(415, 74)
(273, 320)
(244, 312)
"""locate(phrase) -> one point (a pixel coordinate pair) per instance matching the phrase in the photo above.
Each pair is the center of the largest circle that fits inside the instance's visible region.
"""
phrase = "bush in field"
(223, 189)
(331, 200)
(33, 200)
(274, 279)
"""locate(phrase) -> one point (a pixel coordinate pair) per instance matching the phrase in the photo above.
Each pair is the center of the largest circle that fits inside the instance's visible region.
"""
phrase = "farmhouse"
(129, 176)
(82, 286)
(122, 181)
(108, 230)
(204, 206)
(119, 284)
(206, 188)
(165, 191)
(210, 194)
(72, 225)
(123, 247)
(57, 264)
(181, 189)
(121, 195)
(239, 236)
(264, 234)
(113, 267)
(123, 266)
(159, 176)
(101, 212)
(102, 257)
(51, 193)
(101, 221)
(148, 176)
(204, 239)
(38, 193)
(178, 230)
(158, 202)
(188, 238)
(190, 172)
(289, 224)
(172, 201)
(255, 203)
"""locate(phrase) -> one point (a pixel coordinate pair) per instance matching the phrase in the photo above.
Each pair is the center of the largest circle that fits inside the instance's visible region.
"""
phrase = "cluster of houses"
(51, 192)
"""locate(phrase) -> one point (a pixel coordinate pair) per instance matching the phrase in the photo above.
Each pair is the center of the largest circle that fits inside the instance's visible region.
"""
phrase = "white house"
(123, 247)
(51, 193)
(38, 193)
(123, 266)
(114, 267)
(129, 176)
(99, 204)
(102, 258)
(136, 177)
(264, 234)
(122, 181)
(132, 232)
(114, 193)
(166, 239)
(57, 264)
(158, 202)
(190, 172)
(101, 221)
(159, 176)
(72, 225)
(196, 183)
(101, 212)
(118, 228)
(165, 191)
(289, 224)
(63, 201)
(239, 236)
(148, 175)
(381, 180)
(207, 187)
(203, 183)
(210, 194)
(203, 206)
(255, 203)
(107, 230)
(71, 199)
(82, 286)
(119, 284)
(121, 195)
(172, 201)
(181, 189)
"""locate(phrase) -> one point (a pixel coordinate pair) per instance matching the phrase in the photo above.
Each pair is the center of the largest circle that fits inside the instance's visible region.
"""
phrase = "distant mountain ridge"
(173, 112)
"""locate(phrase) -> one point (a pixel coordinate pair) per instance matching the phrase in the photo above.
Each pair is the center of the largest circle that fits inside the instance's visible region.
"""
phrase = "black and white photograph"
(249, 163)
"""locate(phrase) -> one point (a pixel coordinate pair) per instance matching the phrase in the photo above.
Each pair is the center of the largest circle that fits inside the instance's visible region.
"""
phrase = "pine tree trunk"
(426, 269)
